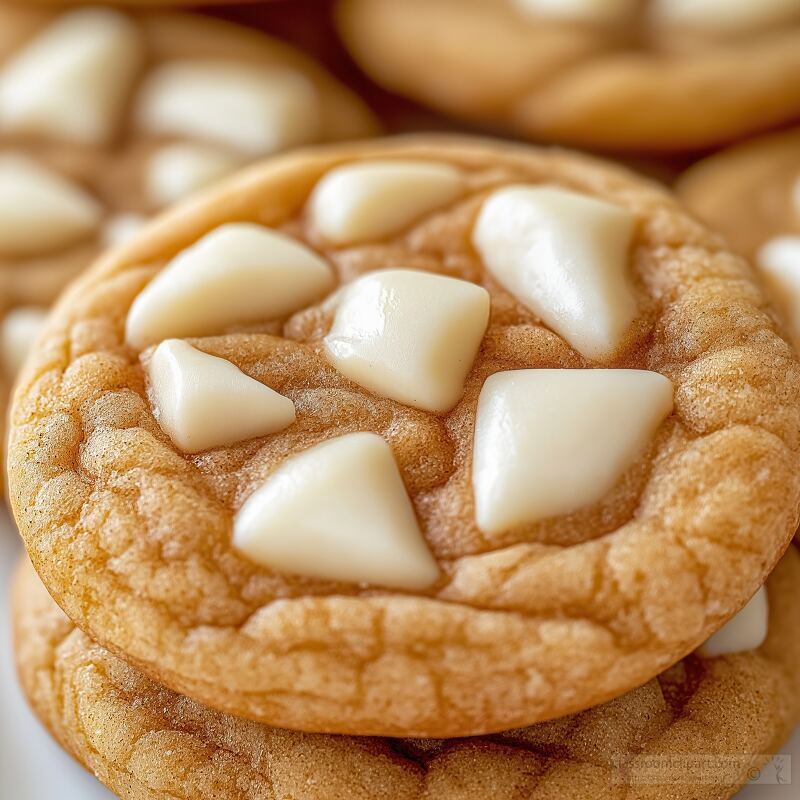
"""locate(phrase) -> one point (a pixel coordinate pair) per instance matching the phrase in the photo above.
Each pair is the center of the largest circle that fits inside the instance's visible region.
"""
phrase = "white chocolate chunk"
(408, 335)
(72, 80)
(253, 109)
(19, 330)
(579, 10)
(338, 511)
(239, 273)
(41, 210)
(779, 263)
(202, 401)
(178, 170)
(370, 200)
(565, 256)
(551, 441)
(725, 16)
(744, 632)
(122, 228)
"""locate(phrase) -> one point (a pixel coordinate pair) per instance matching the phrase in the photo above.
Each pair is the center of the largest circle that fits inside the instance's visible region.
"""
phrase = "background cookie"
(106, 117)
(751, 193)
(647, 76)
(748, 192)
(147, 742)
(133, 536)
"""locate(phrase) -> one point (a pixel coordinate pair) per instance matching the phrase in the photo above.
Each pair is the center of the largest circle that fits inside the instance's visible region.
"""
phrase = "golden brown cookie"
(350, 570)
(644, 75)
(751, 194)
(681, 735)
(106, 117)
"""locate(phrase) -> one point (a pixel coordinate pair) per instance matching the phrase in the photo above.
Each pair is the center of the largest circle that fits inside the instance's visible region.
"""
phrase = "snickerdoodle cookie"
(751, 193)
(682, 735)
(647, 75)
(106, 117)
(429, 437)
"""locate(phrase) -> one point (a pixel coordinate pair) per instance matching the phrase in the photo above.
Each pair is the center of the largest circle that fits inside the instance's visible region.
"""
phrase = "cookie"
(106, 117)
(322, 449)
(643, 75)
(751, 193)
(683, 733)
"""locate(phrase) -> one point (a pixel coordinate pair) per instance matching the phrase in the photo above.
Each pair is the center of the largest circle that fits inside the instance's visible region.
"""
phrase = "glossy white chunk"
(41, 210)
(122, 228)
(565, 256)
(178, 170)
(374, 199)
(338, 511)
(408, 335)
(72, 80)
(250, 108)
(742, 633)
(579, 10)
(779, 262)
(239, 273)
(550, 441)
(18, 332)
(202, 401)
(726, 16)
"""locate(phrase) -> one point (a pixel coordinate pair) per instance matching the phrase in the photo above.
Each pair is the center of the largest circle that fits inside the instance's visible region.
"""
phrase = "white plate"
(33, 767)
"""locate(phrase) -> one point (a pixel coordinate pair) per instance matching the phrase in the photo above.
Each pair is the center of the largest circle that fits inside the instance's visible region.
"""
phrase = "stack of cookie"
(432, 466)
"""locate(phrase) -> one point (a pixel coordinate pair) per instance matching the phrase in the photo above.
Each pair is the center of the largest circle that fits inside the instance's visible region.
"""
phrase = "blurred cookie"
(410, 438)
(106, 117)
(751, 193)
(644, 75)
(681, 735)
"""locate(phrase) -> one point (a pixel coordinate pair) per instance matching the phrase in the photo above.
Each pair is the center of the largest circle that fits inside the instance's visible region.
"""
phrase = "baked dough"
(652, 76)
(134, 539)
(147, 743)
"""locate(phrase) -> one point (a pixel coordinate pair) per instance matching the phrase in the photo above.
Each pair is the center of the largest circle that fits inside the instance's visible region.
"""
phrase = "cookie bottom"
(146, 742)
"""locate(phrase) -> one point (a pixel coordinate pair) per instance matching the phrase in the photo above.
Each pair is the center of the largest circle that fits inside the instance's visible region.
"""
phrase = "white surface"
(33, 767)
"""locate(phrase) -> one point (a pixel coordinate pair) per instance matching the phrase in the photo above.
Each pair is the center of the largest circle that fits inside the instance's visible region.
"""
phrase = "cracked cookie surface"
(133, 538)
(146, 742)
(541, 75)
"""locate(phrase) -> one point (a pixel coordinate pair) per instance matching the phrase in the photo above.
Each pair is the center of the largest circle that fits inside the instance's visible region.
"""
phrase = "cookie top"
(751, 193)
(570, 71)
(106, 117)
(144, 741)
(386, 510)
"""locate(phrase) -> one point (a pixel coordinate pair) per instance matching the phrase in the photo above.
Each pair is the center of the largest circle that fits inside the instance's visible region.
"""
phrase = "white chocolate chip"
(411, 336)
(41, 210)
(202, 401)
(779, 263)
(725, 16)
(593, 11)
(122, 228)
(565, 256)
(551, 441)
(338, 511)
(178, 170)
(370, 200)
(72, 80)
(742, 633)
(20, 328)
(253, 109)
(239, 273)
